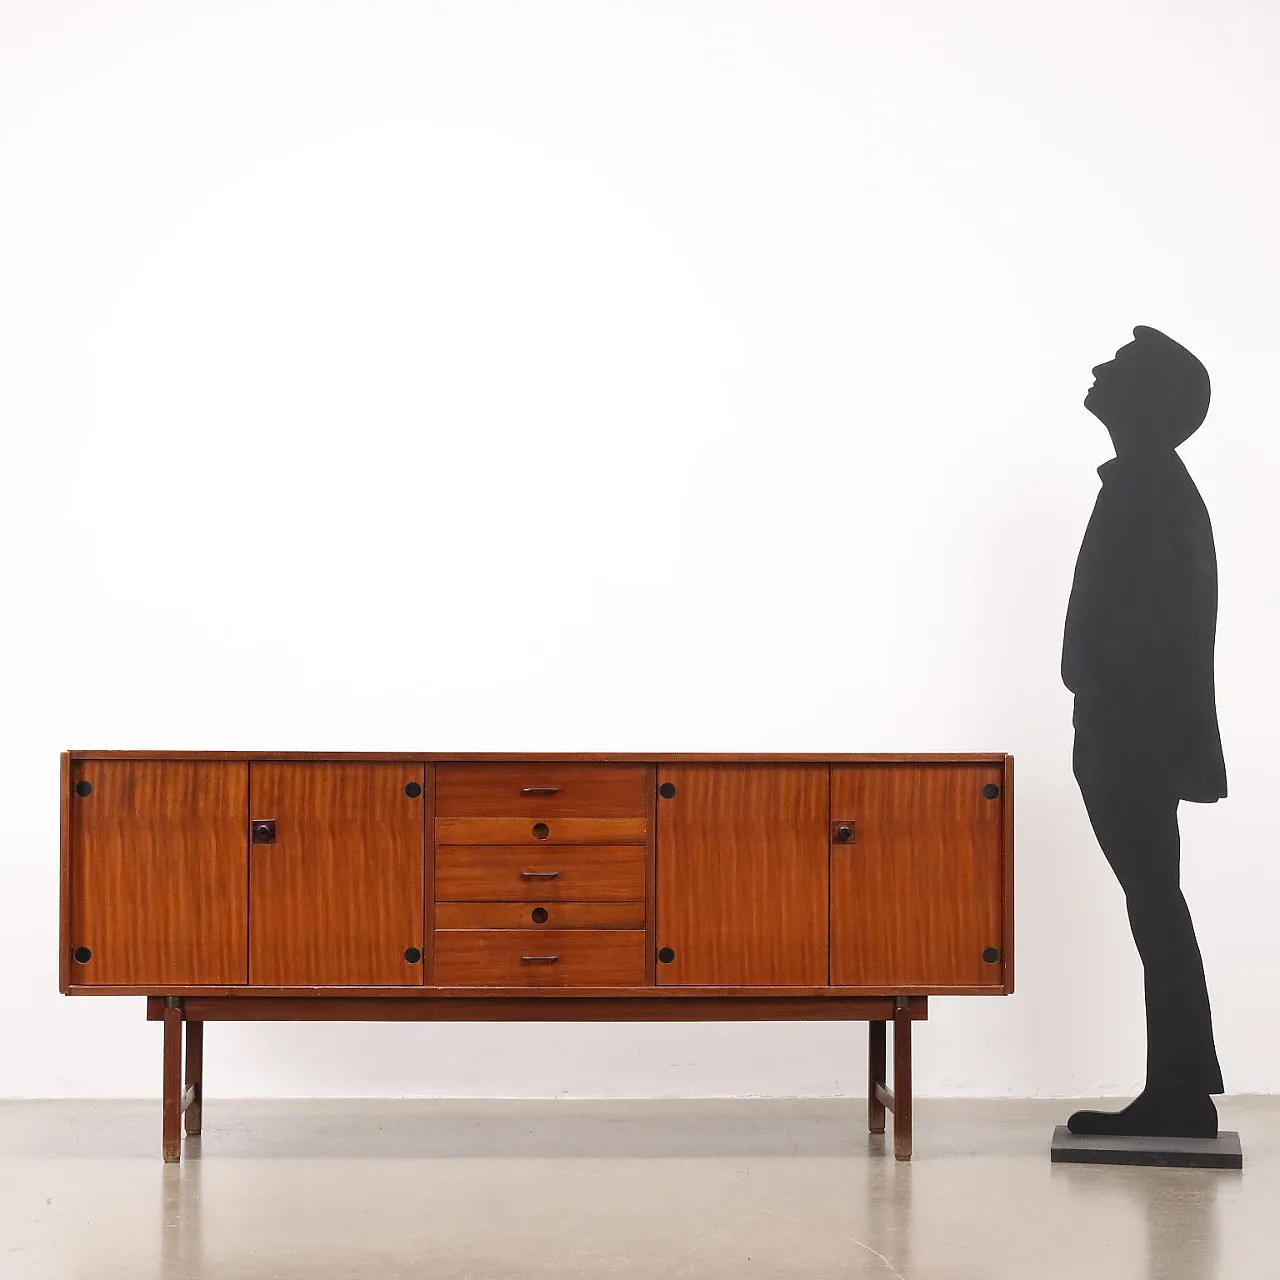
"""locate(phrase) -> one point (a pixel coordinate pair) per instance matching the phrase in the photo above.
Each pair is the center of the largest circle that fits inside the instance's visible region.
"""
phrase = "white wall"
(628, 376)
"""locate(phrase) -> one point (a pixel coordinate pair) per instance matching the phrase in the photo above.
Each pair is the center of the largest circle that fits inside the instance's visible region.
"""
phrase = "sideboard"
(227, 885)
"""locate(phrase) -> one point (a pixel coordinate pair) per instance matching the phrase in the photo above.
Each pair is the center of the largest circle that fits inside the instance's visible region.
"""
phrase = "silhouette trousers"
(1134, 814)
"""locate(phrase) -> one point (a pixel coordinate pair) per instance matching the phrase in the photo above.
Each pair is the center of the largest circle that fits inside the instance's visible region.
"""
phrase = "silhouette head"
(1152, 396)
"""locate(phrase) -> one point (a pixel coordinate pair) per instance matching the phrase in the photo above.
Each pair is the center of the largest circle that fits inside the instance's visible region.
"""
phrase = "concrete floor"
(769, 1188)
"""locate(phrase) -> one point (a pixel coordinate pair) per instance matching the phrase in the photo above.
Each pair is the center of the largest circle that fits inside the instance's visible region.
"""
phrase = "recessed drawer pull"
(539, 791)
(539, 959)
(539, 875)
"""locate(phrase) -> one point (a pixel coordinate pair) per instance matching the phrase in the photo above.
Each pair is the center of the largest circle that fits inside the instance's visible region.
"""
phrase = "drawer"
(503, 790)
(549, 915)
(551, 958)
(535, 830)
(571, 873)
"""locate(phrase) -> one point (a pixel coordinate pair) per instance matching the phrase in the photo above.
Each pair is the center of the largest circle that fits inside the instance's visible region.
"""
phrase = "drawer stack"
(540, 874)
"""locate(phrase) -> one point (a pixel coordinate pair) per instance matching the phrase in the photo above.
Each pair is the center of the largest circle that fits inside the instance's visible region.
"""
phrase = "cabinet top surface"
(637, 757)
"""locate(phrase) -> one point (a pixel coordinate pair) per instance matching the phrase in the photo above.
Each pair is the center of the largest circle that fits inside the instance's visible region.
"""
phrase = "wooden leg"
(195, 1076)
(172, 1094)
(902, 1078)
(875, 1074)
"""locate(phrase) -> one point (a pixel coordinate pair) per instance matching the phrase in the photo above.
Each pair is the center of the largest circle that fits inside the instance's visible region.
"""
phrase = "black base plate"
(1222, 1152)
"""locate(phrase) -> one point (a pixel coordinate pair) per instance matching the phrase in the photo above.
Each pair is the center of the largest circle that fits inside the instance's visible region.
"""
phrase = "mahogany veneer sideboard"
(378, 886)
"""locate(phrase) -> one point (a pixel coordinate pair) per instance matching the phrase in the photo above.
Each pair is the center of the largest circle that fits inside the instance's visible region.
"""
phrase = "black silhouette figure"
(1138, 655)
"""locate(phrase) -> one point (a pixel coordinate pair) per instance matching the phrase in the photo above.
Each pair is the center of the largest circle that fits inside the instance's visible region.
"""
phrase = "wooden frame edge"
(429, 875)
(651, 878)
(648, 1008)
(672, 993)
(1007, 875)
(563, 757)
(64, 874)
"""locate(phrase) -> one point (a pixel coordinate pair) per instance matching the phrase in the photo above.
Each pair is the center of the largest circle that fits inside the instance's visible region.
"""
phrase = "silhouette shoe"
(1152, 1116)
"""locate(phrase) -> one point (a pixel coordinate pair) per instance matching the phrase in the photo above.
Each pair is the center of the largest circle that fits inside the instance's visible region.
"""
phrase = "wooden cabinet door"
(336, 899)
(158, 873)
(916, 894)
(742, 875)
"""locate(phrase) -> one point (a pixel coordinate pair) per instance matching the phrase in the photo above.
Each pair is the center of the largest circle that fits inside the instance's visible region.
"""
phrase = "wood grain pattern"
(429, 877)
(558, 830)
(1006, 886)
(651, 877)
(605, 757)
(502, 957)
(158, 872)
(497, 790)
(559, 915)
(917, 898)
(742, 875)
(534, 1005)
(64, 872)
(339, 896)
(584, 873)
(673, 994)
(610, 904)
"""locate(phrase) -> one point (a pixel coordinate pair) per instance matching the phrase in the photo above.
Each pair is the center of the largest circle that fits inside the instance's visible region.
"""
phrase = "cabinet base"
(176, 1011)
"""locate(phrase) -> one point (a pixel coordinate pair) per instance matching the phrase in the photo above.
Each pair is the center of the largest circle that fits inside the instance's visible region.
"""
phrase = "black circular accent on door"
(991, 954)
(413, 790)
(541, 831)
(667, 955)
(539, 915)
(82, 955)
(667, 790)
(990, 791)
(84, 788)
(412, 955)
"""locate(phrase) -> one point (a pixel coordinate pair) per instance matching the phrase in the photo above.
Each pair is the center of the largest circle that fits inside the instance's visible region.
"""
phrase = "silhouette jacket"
(1139, 637)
